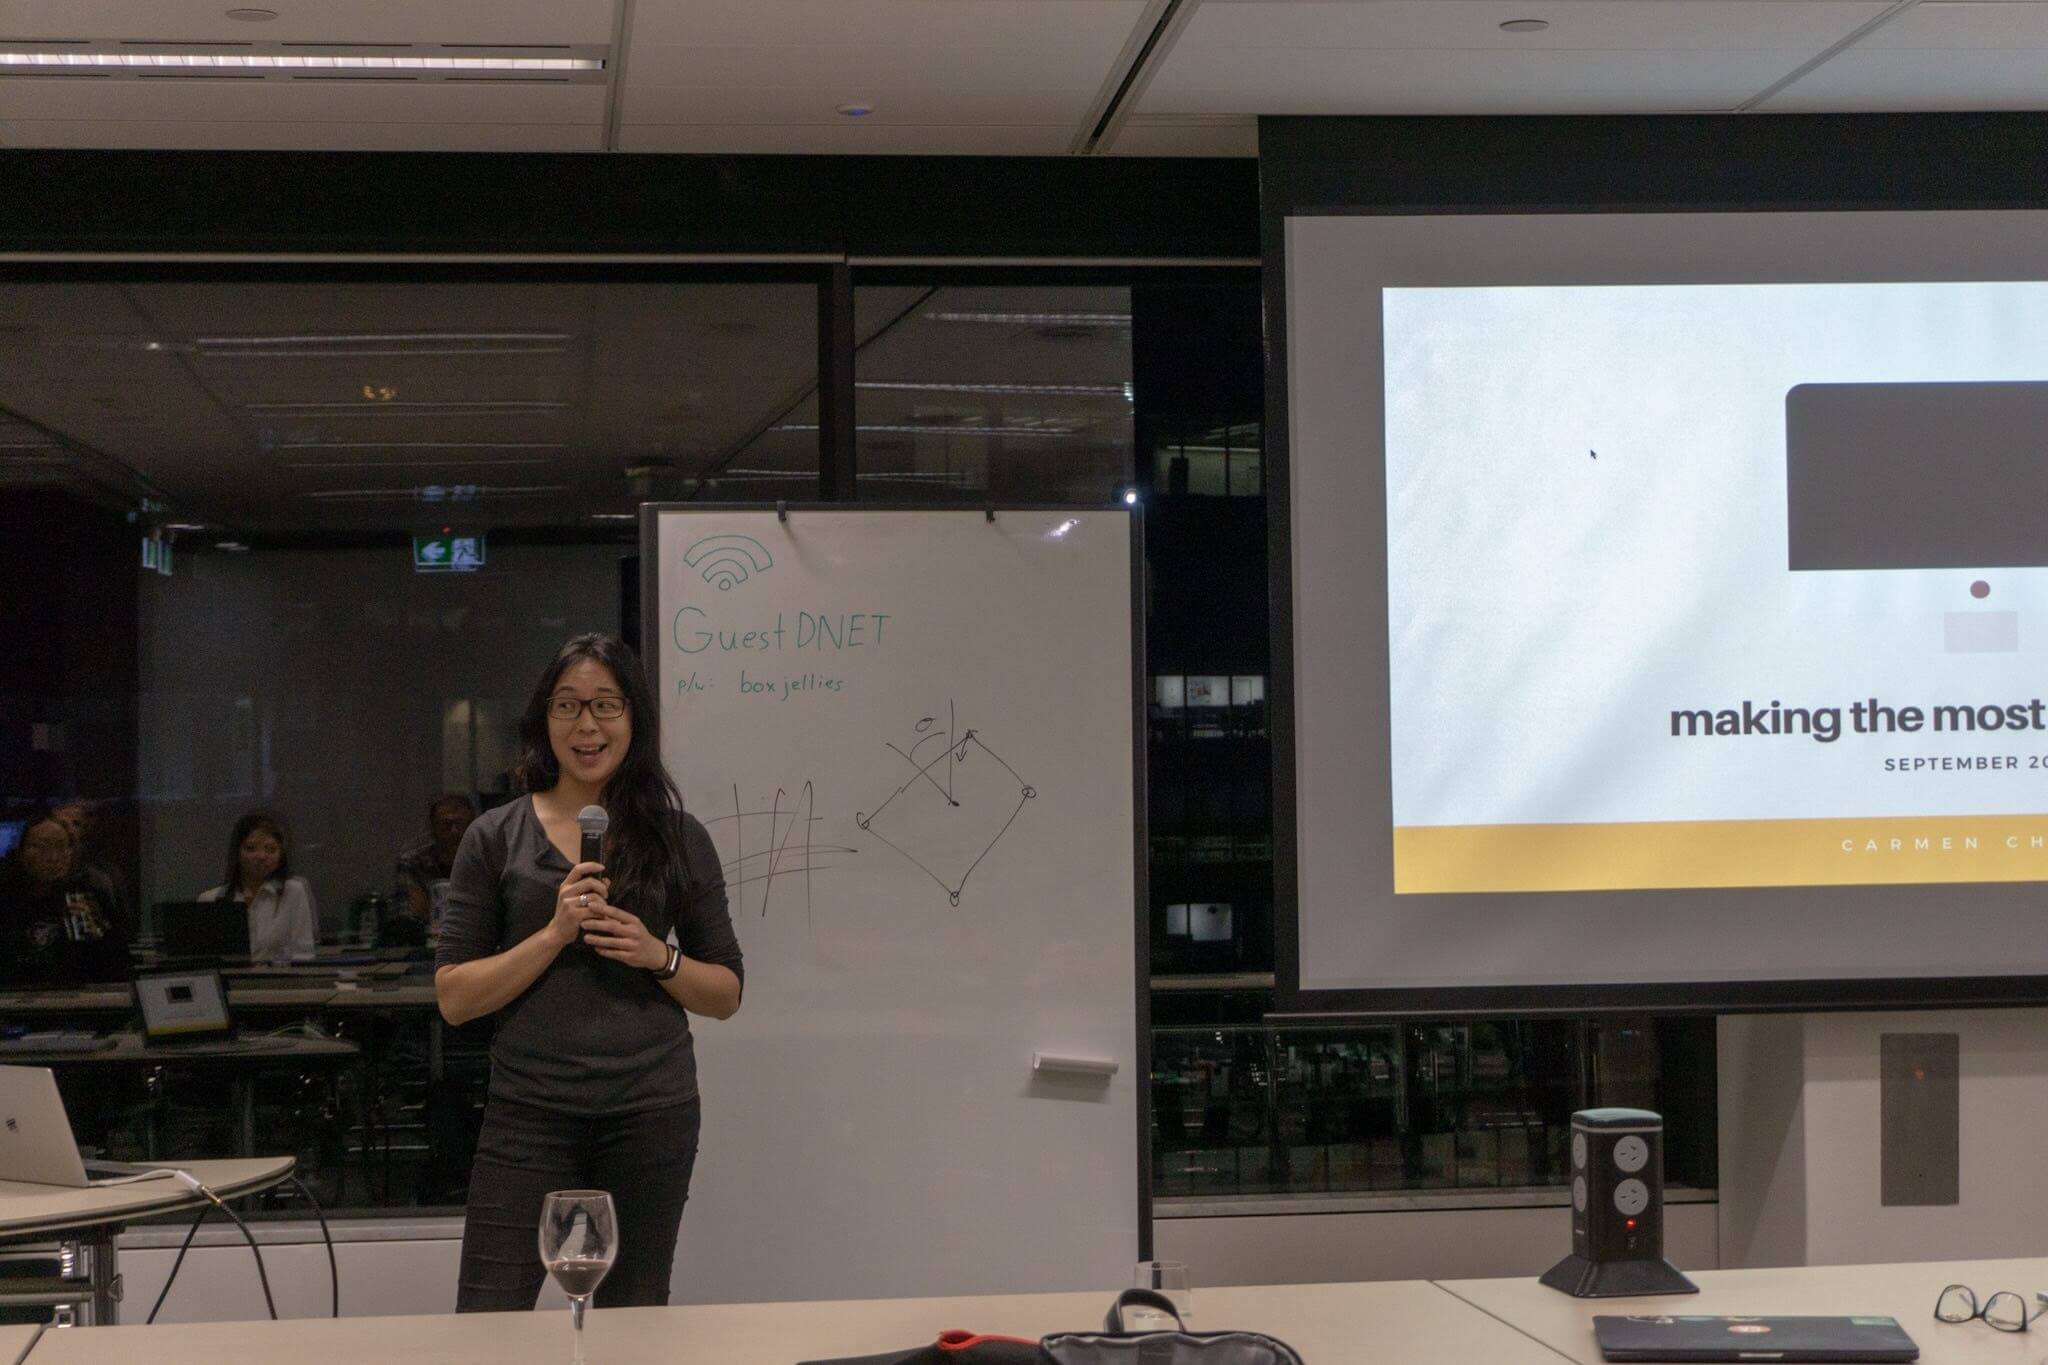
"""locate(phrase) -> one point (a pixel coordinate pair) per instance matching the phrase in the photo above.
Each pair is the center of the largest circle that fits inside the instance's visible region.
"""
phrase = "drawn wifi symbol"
(725, 562)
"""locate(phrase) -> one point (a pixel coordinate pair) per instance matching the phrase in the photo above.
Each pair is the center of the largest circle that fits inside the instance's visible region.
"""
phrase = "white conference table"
(1906, 1292)
(15, 1341)
(1391, 1322)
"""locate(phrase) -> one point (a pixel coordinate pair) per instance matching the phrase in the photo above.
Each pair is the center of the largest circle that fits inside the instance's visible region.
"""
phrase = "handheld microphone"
(593, 822)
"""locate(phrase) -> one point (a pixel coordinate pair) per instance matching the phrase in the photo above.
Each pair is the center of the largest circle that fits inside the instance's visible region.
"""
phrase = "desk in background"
(242, 1060)
(1906, 1292)
(1387, 1323)
(86, 1221)
(367, 1001)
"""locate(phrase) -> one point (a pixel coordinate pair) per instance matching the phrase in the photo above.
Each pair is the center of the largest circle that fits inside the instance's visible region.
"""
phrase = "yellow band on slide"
(1712, 853)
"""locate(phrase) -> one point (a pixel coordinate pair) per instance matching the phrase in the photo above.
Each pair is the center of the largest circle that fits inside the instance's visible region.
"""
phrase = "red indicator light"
(1631, 1222)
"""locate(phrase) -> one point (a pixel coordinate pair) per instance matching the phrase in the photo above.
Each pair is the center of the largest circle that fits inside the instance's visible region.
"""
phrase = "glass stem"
(576, 1306)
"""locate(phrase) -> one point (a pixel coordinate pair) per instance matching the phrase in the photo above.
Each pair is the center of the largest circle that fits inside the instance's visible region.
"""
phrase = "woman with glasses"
(592, 971)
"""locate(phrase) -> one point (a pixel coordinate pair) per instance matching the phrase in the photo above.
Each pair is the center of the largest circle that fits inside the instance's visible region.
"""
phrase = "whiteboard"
(913, 736)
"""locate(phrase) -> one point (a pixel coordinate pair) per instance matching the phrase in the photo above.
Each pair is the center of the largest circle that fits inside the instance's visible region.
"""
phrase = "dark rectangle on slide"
(1916, 476)
(1919, 1107)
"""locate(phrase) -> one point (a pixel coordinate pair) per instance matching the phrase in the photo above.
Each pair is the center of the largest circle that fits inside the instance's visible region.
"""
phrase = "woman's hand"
(583, 891)
(619, 935)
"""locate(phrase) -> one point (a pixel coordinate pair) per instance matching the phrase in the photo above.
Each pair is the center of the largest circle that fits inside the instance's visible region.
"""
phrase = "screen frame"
(1436, 167)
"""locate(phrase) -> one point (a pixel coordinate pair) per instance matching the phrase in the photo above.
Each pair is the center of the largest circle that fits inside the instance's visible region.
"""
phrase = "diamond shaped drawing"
(949, 801)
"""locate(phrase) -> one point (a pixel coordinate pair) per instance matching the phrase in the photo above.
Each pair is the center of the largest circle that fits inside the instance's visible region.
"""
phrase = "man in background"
(81, 817)
(423, 869)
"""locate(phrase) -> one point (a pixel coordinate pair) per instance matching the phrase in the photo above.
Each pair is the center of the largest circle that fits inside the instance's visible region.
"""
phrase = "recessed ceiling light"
(1525, 26)
(856, 109)
(253, 16)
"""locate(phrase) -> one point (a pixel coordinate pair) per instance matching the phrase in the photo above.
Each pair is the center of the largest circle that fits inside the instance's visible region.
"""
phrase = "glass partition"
(299, 545)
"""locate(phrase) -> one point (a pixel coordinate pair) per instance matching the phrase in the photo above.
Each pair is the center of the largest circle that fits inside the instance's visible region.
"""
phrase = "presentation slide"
(1716, 585)
(1669, 604)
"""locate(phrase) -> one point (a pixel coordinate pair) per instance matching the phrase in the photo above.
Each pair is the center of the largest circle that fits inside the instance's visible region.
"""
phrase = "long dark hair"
(231, 884)
(644, 851)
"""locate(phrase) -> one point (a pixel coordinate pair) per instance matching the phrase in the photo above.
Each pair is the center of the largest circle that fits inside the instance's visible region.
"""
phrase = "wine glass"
(579, 1240)
(1169, 1278)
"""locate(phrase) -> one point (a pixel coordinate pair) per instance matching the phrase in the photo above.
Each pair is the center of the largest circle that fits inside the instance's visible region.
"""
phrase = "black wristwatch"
(672, 966)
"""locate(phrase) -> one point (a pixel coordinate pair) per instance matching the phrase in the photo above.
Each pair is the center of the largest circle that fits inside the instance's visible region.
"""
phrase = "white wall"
(1801, 1145)
(1402, 1244)
(317, 683)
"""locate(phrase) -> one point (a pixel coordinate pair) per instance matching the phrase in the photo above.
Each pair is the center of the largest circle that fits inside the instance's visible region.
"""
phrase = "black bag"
(1116, 1346)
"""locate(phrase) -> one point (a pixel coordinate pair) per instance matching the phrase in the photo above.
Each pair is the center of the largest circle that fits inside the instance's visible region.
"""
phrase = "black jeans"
(642, 1160)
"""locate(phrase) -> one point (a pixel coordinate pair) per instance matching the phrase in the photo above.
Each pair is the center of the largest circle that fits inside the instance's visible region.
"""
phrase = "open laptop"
(36, 1146)
(1697, 1337)
(190, 1009)
(180, 1008)
(216, 930)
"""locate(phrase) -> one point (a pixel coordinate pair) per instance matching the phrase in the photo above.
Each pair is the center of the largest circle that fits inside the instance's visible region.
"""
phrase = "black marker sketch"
(791, 850)
(942, 799)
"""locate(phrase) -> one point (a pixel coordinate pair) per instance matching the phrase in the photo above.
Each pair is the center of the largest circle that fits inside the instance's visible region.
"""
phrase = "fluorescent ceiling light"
(388, 343)
(420, 445)
(437, 493)
(290, 61)
(366, 407)
(1038, 319)
(938, 429)
(1122, 391)
(613, 516)
(407, 464)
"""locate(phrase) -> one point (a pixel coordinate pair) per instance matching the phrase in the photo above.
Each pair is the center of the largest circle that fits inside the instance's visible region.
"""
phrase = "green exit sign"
(447, 554)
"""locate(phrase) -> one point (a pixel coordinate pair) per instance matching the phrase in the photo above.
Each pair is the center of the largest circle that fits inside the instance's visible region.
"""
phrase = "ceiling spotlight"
(253, 16)
(1525, 26)
(855, 109)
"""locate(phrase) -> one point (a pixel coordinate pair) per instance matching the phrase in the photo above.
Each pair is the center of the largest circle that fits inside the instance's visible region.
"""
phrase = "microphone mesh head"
(593, 820)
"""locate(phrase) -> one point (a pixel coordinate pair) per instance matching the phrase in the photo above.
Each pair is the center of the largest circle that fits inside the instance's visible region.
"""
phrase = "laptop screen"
(182, 1005)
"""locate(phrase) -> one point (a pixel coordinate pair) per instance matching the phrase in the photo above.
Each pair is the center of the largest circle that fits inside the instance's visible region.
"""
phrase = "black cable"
(333, 1270)
(254, 1250)
(171, 1279)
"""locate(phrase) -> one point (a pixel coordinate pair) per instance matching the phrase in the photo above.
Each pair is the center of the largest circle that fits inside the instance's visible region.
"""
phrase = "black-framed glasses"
(569, 708)
(2004, 1311)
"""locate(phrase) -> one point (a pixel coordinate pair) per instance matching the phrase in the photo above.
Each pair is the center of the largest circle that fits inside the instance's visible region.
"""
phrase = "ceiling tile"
(875, 139)
(336, 21)
(682, 26)
(1165, 135)
(1450, 56)
(1977, 54)
(943, 76)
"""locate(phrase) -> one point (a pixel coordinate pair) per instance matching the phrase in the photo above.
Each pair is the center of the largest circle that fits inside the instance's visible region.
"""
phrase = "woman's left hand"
(619, 935)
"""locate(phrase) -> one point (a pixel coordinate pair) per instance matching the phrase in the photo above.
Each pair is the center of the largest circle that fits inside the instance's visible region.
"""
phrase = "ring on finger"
(583, 901)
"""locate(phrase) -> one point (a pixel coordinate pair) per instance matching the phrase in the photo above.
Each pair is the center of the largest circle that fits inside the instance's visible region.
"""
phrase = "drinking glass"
(579, 1240)
(1171, 1279)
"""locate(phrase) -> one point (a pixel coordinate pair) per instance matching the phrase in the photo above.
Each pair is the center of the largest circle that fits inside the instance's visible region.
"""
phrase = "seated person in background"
(81, 817)
(55, 929)
(283, 923)
(423, 869)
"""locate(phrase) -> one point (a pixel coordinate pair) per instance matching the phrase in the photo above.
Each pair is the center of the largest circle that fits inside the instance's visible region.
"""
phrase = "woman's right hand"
(582, 891)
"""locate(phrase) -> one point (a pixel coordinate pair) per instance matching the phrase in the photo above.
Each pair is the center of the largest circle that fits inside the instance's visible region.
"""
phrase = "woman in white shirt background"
(283, 923)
